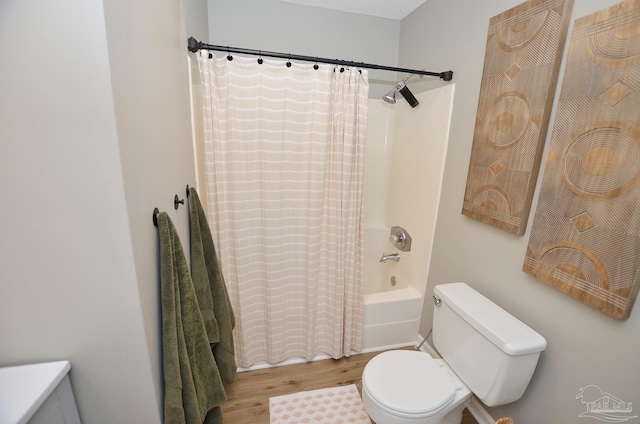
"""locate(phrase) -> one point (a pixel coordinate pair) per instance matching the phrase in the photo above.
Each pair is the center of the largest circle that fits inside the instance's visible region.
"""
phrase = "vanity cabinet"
(37, 394)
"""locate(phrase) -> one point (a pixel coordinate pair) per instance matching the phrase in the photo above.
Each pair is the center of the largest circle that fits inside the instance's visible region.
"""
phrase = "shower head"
(401, 86)
(390, 97)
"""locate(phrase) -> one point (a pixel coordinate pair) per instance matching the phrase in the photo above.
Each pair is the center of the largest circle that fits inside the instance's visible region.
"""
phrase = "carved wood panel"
(585, 237)
(522, 59)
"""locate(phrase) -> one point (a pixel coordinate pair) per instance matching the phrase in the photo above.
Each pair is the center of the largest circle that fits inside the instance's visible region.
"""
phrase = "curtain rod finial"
(193, 45)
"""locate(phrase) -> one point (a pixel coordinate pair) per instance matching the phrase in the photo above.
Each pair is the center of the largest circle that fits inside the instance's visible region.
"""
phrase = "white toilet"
(485, 350)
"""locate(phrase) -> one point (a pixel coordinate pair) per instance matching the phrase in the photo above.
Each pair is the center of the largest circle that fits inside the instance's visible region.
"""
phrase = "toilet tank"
(493, 352)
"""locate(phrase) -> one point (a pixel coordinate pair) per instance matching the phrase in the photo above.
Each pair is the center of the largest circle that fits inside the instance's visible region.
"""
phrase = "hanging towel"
(193, 390)
(208, 280)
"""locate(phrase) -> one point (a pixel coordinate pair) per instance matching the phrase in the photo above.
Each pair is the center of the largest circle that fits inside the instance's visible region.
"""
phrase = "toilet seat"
(408, 383)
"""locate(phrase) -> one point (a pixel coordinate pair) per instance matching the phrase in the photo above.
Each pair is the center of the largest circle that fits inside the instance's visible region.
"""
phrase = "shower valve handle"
(400, 239)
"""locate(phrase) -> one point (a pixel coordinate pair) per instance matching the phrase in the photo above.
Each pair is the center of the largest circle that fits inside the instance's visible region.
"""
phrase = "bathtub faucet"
(390, 257)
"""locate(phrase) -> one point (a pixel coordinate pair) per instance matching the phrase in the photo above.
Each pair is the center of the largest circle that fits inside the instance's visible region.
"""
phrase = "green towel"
(209, 282)
(193, 390)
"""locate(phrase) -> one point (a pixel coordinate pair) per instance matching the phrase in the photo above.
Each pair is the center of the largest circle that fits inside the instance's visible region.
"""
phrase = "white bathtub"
(391, 312)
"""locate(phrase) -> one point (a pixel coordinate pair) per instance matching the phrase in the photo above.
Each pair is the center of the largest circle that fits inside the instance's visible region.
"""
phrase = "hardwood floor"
(248, 397)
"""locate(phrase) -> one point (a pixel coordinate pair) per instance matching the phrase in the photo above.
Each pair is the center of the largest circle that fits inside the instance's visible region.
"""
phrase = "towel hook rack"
(176, 203)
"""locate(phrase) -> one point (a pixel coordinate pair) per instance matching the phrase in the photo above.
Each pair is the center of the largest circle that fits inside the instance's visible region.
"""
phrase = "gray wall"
(93, 137)
(311, 31)
(95, 129)
(585, 346)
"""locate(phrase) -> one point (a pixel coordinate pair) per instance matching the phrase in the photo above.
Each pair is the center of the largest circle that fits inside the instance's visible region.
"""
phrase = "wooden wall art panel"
(585, 237)
(521, 64)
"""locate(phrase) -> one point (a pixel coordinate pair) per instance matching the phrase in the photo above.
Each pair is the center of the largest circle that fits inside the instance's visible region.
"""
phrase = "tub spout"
(390, 257)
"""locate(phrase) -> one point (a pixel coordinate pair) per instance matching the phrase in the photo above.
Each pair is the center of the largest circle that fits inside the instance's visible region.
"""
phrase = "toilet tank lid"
(504, 330)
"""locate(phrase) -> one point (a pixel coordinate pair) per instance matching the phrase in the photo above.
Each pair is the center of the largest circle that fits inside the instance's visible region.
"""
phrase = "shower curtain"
(284, 151)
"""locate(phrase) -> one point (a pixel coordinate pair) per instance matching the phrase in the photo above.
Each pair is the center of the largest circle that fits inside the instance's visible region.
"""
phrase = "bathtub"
(391, 310)
(392, 306)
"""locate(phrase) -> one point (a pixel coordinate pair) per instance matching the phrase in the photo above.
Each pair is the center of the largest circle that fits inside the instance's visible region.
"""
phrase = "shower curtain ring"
(289, 61)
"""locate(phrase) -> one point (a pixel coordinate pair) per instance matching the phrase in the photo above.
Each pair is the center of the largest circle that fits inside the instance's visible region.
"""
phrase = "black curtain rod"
(195, 45)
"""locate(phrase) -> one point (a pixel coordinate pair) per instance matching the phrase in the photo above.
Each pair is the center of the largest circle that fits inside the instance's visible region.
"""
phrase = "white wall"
(93, 143)
(311, 31)
(94, 123)
(149, 73)
(585, 346)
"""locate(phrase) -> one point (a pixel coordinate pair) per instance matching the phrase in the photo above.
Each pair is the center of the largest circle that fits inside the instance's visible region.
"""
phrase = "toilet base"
(450, 413)
(379, 416)
(455, 416)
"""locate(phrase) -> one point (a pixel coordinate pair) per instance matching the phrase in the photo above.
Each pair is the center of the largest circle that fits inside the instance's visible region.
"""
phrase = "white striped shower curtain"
(284, 151)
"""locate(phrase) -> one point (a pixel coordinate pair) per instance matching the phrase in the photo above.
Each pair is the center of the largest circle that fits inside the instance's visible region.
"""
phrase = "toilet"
(485, 351)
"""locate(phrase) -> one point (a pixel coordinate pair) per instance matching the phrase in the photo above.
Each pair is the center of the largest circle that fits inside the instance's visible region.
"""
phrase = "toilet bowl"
(485, 351)
(410, 387)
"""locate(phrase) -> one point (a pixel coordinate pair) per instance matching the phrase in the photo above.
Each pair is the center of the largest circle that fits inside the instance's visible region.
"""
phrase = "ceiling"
(392, 9)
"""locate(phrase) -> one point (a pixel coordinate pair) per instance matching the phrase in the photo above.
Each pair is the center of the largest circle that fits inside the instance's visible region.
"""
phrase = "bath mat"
(323, 406)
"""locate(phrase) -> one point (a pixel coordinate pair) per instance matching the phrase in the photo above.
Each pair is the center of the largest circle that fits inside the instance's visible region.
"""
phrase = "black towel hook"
(155, 216)
(188, 192)
(177, 201)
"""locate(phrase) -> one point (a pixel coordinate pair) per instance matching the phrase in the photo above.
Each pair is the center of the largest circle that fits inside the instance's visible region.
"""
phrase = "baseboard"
(475, 407)
(383, 348)
(320, 357)
(290, 361)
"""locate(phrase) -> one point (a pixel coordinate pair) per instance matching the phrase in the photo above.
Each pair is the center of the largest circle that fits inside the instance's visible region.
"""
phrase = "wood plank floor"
(248, 397)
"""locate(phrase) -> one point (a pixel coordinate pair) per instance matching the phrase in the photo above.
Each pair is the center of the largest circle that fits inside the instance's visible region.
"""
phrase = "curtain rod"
(195, 45)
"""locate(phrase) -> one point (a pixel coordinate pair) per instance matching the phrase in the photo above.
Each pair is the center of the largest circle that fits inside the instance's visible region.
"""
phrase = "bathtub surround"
(284, 149)
(391, 318)
(403, 170)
